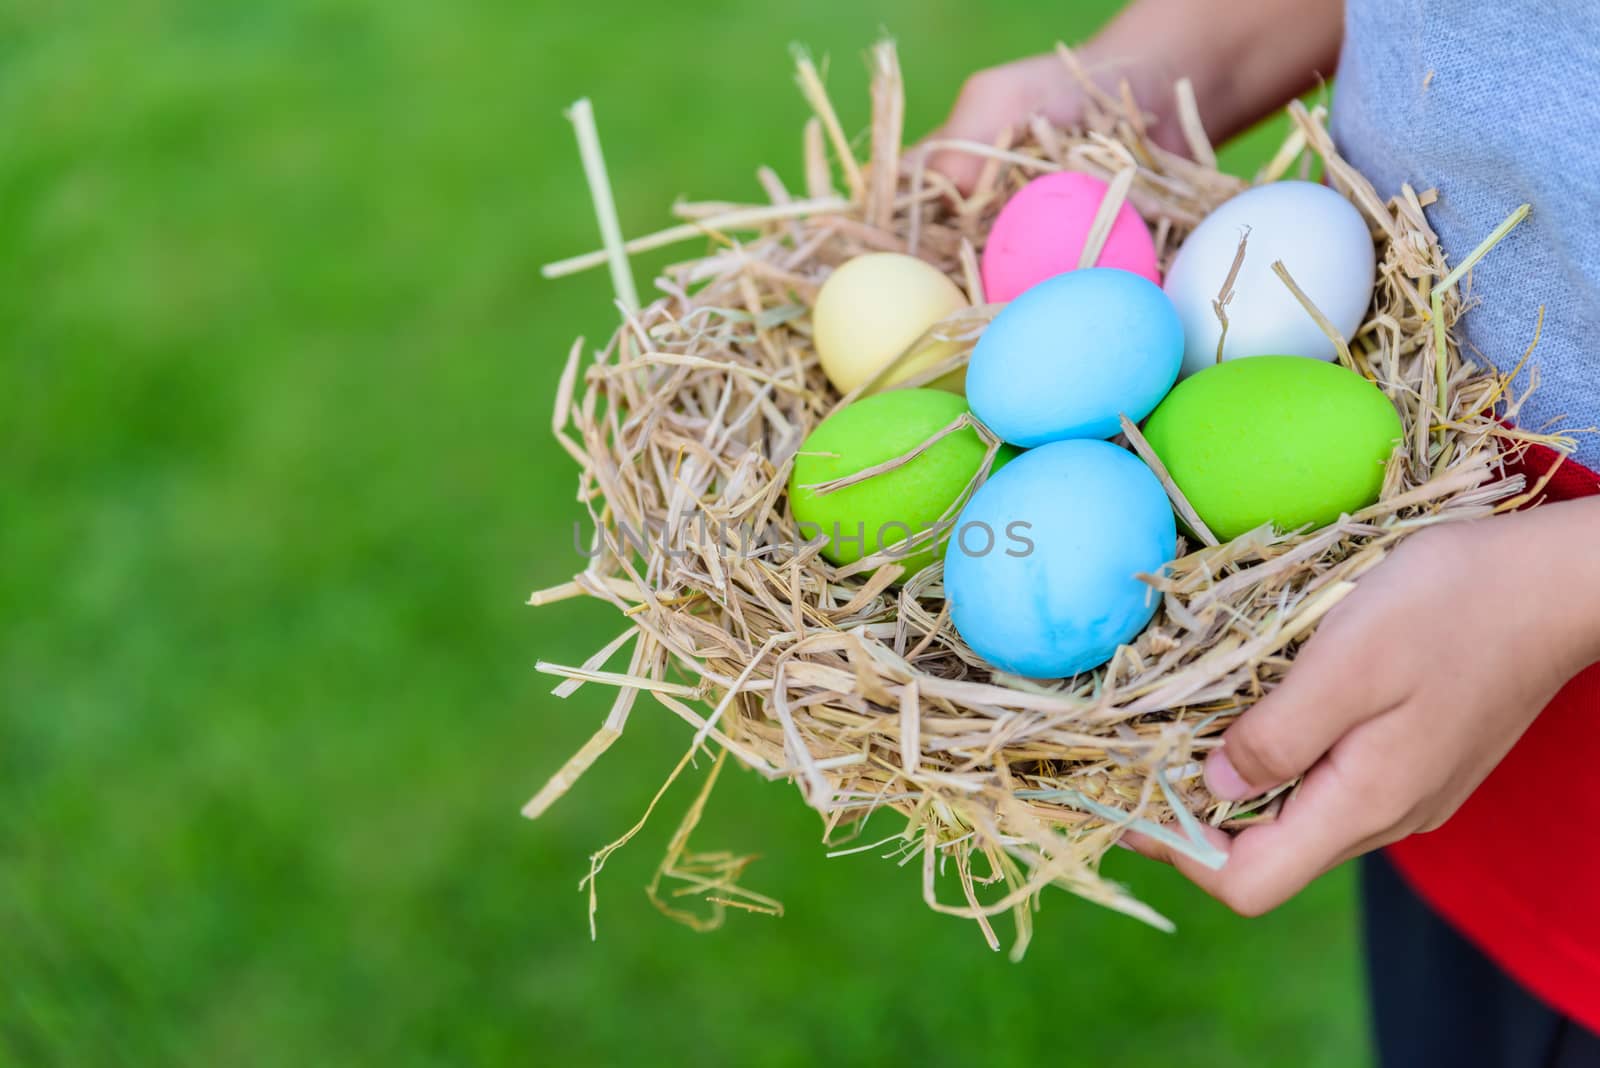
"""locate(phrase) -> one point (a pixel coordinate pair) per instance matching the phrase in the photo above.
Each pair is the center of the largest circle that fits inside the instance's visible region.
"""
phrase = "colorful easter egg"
(1323, 242)
(1041, 569)
(1072, 354)
(1042, 229)
(1275, 439)
(903, 503)
(872, 308)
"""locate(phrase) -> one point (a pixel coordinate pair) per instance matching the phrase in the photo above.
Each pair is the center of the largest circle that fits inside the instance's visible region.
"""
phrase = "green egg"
(879, 511)
(1284, 439)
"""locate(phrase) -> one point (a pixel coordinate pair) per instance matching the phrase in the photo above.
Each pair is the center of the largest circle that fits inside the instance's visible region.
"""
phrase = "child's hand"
(1406, 698)
(1006, 97)
(1003, 98)
(1244, 60)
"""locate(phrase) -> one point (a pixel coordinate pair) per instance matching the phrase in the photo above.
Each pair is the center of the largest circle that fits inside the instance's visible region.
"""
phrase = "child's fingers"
(1269, 863)
(1146, 846)
(962, 168)
(999, 99)
(988, 104)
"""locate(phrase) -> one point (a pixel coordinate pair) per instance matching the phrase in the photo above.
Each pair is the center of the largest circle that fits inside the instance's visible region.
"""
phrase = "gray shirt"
(1495, 104)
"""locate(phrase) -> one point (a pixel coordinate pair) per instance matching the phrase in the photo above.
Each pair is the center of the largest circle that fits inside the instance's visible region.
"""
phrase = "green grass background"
(275, 479)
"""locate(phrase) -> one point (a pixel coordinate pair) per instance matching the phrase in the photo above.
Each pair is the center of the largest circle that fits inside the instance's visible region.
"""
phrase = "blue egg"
(1070, 355)
(1040, 569)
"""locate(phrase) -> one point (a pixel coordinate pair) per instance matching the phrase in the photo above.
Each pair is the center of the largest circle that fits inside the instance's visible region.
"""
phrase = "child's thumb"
(1289, 730)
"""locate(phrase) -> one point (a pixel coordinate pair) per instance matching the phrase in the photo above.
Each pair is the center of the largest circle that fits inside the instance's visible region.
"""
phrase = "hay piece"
(605, 208)
(1105, 216)
(862, 694)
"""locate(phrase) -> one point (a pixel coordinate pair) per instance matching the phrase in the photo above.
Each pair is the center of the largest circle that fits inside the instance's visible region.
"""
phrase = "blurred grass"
(275, 478)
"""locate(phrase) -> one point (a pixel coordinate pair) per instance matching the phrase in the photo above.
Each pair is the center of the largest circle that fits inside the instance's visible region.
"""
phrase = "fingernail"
(1223, 780)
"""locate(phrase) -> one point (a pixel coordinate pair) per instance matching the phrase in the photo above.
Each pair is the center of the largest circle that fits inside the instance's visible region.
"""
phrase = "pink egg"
(1040, 233)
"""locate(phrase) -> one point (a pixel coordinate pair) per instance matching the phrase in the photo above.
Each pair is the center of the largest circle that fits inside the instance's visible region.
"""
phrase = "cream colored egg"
(872, 308)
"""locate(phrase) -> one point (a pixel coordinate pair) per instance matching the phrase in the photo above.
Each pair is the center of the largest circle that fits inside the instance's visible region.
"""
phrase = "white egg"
(1322, 240)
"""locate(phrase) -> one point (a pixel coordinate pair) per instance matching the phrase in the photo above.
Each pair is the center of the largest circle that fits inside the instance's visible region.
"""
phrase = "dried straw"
(684, 427)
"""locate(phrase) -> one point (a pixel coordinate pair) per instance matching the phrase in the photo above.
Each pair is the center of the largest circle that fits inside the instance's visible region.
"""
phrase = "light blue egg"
(1040, 568)
(1068, 356)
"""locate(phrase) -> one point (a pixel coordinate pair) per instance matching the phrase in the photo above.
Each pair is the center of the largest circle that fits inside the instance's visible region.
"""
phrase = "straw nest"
(858, 690)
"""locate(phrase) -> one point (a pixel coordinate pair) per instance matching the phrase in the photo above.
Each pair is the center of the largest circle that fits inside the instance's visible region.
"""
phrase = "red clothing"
(1517, 869)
